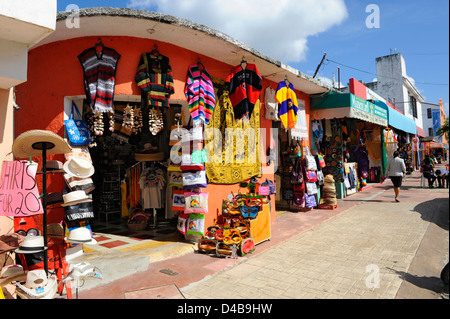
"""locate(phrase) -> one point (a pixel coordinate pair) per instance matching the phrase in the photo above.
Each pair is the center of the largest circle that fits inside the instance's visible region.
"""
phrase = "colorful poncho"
(99, 77)
(287, 104)
(155, 79)
(244, 86)
(199, 91)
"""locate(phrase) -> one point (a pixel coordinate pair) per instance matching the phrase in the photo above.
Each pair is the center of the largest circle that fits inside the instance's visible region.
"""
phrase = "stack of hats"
(329, 191)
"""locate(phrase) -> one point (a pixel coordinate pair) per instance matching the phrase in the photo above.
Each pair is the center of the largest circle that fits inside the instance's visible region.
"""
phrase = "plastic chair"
(423, 181)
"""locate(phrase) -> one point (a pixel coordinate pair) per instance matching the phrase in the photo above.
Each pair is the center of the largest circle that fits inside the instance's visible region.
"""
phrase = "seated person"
(442, 177)
(428, 172)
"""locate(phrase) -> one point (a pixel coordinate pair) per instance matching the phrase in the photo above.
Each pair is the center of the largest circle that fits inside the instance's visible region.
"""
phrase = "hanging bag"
(77, 130)
(196, 203)
(311, 176)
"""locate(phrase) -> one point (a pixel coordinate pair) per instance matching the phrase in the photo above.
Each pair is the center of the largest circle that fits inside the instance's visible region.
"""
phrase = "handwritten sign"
(19, 195)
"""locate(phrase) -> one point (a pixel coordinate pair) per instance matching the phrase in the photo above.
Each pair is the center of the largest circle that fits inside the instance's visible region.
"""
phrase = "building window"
(429, 113)
(430, 131)
(413, 105)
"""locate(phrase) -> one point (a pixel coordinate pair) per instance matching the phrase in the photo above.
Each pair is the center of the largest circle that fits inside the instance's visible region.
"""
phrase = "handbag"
(310, 201)
(196, 203)
(77, 130)
(182, 221)
(320, 177)
(178, 201)
(264, 189)
(311, 188)
(311, 176)
(322, 163)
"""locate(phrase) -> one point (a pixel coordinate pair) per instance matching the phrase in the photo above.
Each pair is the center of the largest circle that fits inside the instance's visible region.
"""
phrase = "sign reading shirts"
(19, 195)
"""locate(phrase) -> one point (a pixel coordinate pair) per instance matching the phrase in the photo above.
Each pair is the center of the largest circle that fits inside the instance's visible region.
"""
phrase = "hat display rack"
(36, 143)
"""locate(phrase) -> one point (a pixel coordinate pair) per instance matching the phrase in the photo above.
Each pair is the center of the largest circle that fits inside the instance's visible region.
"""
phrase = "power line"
(387, 77)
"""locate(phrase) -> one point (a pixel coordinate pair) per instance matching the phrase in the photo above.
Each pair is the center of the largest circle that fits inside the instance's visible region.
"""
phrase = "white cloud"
(279, 29)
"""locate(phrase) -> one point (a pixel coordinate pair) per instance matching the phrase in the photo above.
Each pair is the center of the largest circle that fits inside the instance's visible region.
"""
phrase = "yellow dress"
(234, 155)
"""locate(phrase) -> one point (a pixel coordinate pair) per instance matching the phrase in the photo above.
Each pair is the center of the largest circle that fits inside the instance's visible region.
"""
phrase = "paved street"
(370, 248)
(345, 257)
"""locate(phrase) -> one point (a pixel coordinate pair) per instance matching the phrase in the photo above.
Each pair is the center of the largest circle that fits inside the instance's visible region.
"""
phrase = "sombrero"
(31, 144)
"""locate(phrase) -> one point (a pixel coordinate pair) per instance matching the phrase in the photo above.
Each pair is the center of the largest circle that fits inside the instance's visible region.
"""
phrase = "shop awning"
(340, 105)
(398, 120)
(421, 132)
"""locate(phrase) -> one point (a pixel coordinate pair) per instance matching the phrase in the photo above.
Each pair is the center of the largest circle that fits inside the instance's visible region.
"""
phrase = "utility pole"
(317, 70)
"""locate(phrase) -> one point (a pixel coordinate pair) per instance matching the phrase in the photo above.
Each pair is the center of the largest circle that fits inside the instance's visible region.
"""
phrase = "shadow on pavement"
(440, 206)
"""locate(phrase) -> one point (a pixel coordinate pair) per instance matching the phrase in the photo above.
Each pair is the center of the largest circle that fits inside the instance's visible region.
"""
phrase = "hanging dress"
(232, 162)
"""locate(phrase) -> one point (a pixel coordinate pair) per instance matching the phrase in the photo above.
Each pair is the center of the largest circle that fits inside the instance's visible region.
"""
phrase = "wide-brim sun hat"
(80, 235)
(79, 167)
(31, 245)
(75, 197)
(31, 142)
(12, 273)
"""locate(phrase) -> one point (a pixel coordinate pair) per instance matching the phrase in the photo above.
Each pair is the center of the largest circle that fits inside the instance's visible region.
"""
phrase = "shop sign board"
(369, 112)
(19, 195)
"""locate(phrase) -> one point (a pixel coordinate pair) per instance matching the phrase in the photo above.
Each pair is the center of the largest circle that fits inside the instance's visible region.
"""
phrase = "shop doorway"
(114, 156)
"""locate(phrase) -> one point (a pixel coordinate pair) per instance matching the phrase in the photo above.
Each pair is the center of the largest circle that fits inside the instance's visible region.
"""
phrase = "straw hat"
(12, 273)
(31, 245)
(37, 286)
(54, 165)
(30, 144)
(80, 235)
(79, 167)
(76, 197)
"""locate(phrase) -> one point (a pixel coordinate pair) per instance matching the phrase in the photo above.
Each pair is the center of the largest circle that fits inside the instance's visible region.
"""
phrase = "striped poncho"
(99, 77)
(199, 92)
(155, 79)
(244, 86)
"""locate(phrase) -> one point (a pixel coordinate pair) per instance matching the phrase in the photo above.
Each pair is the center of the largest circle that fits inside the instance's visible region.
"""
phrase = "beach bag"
(295, 151)
(195, 225)
(178, 201)
(182, 222)
(196, 203)
(194, 179)
(77, 130)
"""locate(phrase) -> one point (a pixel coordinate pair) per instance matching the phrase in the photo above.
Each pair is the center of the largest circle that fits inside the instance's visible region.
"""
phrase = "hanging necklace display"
(137, 118)
(111, 121)
(128, 117)
(155, 121)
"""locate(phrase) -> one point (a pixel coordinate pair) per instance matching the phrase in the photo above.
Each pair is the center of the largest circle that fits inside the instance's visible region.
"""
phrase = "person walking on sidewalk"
(396, 169)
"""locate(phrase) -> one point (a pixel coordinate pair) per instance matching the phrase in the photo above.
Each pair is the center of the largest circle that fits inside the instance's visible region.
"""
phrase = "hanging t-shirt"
(287, 104)
(244, 86)
(271, 105)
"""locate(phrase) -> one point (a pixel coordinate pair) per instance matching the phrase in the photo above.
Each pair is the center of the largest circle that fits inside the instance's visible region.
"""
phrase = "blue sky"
(417, 29)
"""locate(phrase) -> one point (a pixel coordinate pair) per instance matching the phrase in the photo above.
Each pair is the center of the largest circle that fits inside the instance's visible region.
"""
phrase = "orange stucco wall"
(55, 72)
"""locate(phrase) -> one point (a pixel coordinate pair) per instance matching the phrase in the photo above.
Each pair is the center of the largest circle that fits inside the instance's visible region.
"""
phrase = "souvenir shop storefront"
(349, 132)
(402, 132)
(174, 135)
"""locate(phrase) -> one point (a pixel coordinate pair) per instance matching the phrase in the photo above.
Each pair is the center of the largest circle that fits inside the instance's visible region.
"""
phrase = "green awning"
(340, 105)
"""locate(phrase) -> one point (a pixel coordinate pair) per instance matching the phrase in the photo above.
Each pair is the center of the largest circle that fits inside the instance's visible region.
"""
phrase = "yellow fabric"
(235, 161)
